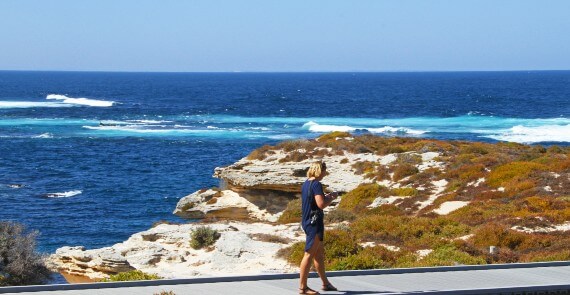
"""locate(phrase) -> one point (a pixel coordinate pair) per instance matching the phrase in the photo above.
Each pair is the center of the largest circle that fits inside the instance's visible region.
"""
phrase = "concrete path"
(530, 278)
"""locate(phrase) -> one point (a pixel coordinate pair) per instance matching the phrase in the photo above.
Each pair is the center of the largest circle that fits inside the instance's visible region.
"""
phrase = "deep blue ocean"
(89, 158)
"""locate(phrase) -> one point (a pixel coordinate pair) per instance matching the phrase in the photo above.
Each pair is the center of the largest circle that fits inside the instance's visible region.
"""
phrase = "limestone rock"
(169, 255)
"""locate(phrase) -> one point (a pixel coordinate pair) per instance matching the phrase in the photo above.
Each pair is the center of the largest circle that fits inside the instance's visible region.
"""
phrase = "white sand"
(449, 207)
(559, 227)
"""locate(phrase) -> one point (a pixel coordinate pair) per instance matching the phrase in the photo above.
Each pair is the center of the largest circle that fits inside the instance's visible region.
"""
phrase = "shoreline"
(272, 173)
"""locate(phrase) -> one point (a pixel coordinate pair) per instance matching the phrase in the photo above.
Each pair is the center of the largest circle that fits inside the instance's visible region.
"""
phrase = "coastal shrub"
(540, 256)
(362, 196)
(260, 153)
(291, 145)
(333, 136)
(381, 173)
(203, 236)
(413, 232)
(385, 209)
(294, 156)
(293, 254)
(339, 215)
(514, 170)
(20, 264)
(404, 170)
(474, 148)
(292, 213)
(365, 167)
(495, 234)
(404, 192)
(409, 158)
(270, 238)
(448, 254)
(134, 275)
(368, 258)
(339, 243)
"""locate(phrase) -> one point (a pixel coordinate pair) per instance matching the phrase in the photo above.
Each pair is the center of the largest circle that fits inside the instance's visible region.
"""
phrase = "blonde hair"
(316, 170)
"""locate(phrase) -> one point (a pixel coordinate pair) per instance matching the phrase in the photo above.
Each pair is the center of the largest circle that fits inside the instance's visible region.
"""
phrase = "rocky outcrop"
(93, 264)
(165, 250)
(270, 174)
(227, 204)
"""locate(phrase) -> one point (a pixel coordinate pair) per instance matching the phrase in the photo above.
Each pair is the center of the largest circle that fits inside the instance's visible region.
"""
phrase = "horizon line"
(282, 72)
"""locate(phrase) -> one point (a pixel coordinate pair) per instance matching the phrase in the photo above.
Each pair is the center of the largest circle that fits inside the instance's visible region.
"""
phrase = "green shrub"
(362, 196)
(367, 258)
(339, 243)
(412, 232)
(134, 275)
(404, 170)
(339, 215)
(405, 192)
(494, 234)
(448, 255)
(203, 236)
(333, 135)
(514, 170)
(292, 213)
(293, 254)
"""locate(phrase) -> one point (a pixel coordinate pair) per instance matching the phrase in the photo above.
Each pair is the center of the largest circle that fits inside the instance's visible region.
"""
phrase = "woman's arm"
(326, 200)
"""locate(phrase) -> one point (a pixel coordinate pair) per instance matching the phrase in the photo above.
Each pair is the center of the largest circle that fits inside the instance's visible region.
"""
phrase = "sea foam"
(80, 101)
(314, 127)
(64, 194)
(545, 133)
(30, 104)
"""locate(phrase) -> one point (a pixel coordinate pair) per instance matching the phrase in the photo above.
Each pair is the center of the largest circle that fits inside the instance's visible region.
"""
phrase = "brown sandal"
(308, 291)
(329, 287)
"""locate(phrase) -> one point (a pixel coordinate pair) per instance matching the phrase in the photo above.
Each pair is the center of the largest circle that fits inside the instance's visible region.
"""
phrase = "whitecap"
(524, 134)
(30, 104)
(314, 127)
(149, 121)
(64, 194)
(80, 101)
(44, 135)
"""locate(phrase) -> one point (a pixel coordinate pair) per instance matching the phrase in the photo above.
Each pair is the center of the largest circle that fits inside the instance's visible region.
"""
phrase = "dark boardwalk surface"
(532, 278)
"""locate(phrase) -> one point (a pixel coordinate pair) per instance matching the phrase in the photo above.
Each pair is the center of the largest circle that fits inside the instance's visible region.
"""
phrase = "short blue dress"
(308, 191)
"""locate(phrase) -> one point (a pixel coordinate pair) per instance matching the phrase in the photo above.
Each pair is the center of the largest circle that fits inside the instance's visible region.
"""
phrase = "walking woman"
(314, 201)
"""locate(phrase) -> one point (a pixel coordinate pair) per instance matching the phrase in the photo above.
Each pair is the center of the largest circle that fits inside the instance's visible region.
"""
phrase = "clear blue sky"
(291, 35)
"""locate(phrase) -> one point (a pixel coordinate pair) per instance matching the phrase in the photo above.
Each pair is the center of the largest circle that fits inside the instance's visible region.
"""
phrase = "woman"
(314, 201)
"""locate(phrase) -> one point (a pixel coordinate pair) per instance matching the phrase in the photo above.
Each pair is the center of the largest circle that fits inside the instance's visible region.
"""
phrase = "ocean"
(89, 158)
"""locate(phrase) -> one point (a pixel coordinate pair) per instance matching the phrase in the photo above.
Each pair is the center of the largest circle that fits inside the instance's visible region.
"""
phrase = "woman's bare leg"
(306, 263)
(319, 262)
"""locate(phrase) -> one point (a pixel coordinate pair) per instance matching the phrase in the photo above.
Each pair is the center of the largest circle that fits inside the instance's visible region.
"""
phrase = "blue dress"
(308, 204)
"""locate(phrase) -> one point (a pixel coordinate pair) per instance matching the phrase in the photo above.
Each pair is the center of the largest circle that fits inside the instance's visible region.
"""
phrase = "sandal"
(329, 287)
(308, 291)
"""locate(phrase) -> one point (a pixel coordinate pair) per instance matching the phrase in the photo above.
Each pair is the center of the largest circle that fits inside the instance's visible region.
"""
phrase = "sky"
(284, 36)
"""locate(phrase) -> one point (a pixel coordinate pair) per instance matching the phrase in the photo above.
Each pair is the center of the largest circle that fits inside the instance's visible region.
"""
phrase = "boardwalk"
(532, 278)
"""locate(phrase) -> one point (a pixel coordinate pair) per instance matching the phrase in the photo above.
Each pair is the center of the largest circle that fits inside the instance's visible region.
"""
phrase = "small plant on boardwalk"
(203, 236)
(135, 275)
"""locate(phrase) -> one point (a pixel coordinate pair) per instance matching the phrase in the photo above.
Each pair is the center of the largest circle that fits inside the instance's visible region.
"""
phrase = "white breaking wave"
(314, 127)
(31, 104)
(43, 135)
(64, 194)
(545, 133)
(80, 101)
